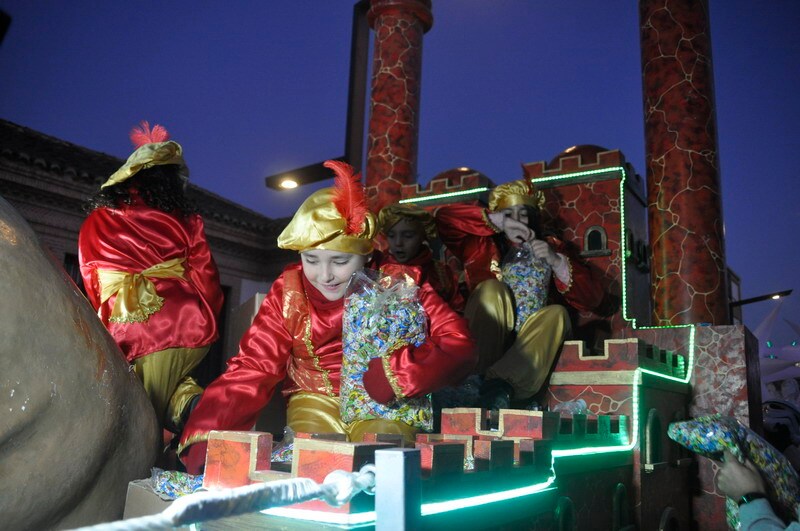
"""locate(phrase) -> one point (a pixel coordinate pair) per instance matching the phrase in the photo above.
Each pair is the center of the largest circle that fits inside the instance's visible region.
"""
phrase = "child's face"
(517, 213)
(330, 271)
(405, 240)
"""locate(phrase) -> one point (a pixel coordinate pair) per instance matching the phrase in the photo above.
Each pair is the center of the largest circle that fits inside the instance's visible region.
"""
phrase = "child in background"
(409, 231)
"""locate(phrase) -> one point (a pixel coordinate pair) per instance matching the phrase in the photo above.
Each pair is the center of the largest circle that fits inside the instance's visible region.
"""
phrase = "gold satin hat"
(148, 156)
(515, 193)
(153, 148)
(390, 215)
(333, 219)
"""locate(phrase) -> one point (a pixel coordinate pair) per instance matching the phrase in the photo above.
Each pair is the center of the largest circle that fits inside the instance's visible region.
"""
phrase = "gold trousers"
(316, 413)
(164, 375)
(525, 362)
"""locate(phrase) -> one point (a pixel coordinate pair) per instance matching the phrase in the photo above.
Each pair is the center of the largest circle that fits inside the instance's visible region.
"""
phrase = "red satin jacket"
(134, 238)
(297, 335)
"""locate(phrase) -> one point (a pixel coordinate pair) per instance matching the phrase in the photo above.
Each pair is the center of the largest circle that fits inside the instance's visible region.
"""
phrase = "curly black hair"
(160, 187)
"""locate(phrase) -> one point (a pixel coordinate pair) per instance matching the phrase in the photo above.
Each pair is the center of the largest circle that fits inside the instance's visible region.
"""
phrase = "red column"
(684, 200)
(394, 106)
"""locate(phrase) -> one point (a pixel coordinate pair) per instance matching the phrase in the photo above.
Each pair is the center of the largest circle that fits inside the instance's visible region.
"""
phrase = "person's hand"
(516, 231)
(542, 250)
(497, 219)
(735, 479)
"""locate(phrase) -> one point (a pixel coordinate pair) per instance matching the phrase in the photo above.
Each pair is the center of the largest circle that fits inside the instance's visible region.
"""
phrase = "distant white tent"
(777, 362)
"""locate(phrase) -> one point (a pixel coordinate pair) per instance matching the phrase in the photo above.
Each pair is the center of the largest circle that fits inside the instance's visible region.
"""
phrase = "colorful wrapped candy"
(170, 484)
(283, 451)
(382, 313)
(711, 436)
(528, 278)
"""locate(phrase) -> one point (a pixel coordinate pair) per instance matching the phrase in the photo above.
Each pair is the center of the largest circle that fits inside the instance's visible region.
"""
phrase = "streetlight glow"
(288, 183)
(773, 296)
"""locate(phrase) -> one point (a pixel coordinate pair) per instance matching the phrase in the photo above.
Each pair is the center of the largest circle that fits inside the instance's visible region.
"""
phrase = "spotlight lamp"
(289, 180)
(775, 296)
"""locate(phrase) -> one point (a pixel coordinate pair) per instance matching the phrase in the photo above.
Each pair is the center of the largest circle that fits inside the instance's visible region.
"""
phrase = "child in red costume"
(515, 352)
(297, 334)
(409, 230)
(148, 271)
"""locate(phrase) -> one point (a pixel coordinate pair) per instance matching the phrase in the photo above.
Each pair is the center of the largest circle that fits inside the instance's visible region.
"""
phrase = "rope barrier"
(338, 488)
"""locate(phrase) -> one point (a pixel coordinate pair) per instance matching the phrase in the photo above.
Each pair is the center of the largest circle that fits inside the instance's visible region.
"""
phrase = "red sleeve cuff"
(194, 458)
(376, 384)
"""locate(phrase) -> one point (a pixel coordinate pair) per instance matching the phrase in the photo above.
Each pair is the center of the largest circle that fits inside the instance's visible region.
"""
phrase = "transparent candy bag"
(382, 313)
(528, 278)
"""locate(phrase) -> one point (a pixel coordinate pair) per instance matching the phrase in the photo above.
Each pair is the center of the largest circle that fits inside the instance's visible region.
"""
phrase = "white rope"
(338, 488)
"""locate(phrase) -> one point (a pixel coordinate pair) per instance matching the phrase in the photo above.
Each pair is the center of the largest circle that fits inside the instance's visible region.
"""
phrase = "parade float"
(648, 357)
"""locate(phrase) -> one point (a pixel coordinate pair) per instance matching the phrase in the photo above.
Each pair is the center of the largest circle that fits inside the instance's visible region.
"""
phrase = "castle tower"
(393, 134)
(686, 230)
(595, 202)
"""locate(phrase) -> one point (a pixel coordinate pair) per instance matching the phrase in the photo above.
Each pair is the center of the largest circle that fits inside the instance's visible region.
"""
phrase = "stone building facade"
(48, 180)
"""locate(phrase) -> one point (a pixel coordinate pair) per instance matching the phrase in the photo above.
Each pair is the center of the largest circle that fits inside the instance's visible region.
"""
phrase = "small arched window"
(652, 441)
(595, 242)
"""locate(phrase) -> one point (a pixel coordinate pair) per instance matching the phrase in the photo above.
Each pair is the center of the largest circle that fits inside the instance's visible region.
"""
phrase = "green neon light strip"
(444, 196)
(582, 174)
(428, 509)
(440, 507)
(367, 517)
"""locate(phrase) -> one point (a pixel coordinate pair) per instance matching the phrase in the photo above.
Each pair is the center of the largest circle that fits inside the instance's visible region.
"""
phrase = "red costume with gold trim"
(468, 234)
(134, 238)
(297, 336)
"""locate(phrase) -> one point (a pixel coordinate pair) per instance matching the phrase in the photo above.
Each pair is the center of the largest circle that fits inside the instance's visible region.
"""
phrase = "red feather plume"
(348, 196)
(142, 134)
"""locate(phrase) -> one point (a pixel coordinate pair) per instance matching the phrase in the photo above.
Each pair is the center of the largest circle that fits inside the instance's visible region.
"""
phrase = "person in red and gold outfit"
(516, 351)
(409, 230)
(148, 271)
(297, 334)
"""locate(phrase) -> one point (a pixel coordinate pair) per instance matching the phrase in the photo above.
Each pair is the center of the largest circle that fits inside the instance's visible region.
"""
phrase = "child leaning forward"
(297, 334)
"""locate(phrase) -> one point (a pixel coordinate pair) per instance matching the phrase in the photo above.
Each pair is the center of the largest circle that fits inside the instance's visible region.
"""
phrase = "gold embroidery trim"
(390, 375)
(196, 438)
(485, 215)
(494, 267)
(326, 381)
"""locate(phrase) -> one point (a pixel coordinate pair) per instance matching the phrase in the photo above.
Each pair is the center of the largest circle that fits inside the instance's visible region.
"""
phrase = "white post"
(398, 489)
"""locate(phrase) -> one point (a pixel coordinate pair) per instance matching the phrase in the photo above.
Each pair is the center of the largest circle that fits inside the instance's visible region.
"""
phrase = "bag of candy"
(528, 278)
(382, 313)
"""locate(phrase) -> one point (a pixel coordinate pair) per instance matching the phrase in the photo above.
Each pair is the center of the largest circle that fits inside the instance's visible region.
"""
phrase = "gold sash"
(136, 299)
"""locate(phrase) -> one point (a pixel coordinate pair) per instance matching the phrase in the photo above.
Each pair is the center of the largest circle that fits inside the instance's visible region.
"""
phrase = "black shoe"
(184, 416)
(189, 408)
(495, 394)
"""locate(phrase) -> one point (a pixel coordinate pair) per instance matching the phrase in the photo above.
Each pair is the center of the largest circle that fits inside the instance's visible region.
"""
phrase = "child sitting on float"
(518, 338)
(297, 334)
(410, 231)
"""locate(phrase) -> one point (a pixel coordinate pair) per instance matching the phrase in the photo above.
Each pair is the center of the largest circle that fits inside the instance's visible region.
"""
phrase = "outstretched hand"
(735, 479)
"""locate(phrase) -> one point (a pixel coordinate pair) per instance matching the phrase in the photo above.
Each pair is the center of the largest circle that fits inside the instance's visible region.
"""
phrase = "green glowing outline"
(444, 196)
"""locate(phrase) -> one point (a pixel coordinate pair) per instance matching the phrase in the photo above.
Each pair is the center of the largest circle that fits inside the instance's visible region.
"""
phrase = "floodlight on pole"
(775, 296)
(356, 101)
